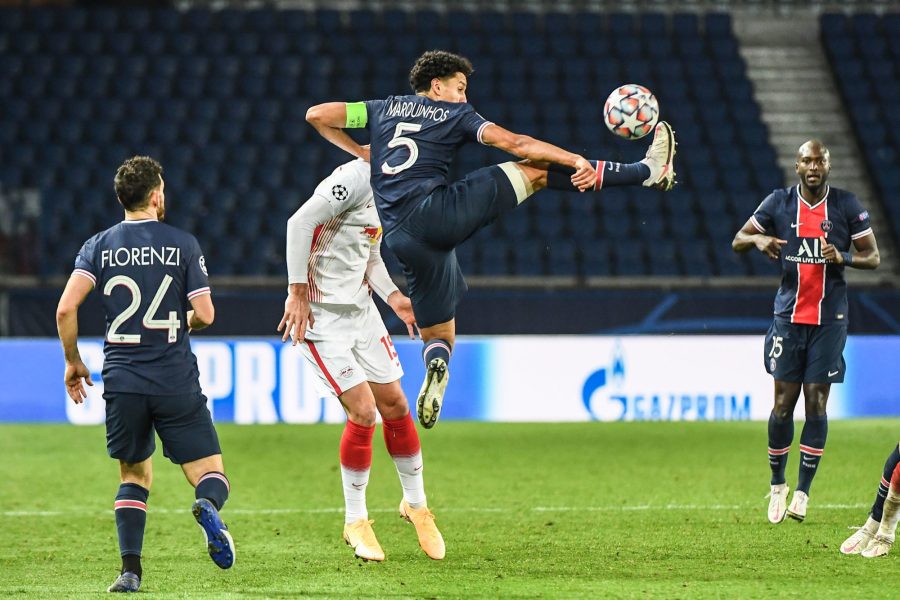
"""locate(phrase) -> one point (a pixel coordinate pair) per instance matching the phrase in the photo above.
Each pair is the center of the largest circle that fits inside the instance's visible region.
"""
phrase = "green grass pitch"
(589, 510)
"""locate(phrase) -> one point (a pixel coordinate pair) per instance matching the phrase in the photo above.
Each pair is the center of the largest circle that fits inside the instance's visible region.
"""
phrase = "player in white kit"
(334, 260)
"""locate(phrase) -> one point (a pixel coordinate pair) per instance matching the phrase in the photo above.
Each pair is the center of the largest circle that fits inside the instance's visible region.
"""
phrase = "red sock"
(356, 446)
(401, 437)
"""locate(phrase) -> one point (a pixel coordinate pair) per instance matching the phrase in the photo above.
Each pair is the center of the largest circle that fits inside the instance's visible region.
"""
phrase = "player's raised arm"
(331, 118)
(77, 289)
(527, 147)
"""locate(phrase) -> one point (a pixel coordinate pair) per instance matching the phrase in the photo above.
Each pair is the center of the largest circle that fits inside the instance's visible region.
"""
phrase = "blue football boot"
(218, 540)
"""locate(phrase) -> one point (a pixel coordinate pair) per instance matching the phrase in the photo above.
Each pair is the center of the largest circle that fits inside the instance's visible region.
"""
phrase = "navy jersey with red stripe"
(413, 141)
(812, 292)
(146, 272)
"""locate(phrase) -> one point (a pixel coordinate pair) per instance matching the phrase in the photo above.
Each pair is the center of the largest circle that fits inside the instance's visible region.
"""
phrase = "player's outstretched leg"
(437, 373)
(656, 169)
(659, 158)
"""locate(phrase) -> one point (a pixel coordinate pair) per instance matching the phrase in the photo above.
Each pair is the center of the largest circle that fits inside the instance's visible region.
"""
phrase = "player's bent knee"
(196, 469)
(521, 183)
(390, 400)
(359, 402)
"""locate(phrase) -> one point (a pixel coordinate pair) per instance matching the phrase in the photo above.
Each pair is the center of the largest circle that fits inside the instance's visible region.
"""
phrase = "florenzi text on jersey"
(144, 256)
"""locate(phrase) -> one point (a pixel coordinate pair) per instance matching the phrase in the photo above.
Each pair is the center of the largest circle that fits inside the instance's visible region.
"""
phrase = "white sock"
(355, 483)
(410, 468)
(891, 514)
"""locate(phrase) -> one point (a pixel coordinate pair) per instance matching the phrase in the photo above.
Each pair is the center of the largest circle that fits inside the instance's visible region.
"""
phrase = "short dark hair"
(437, 63)
(135, 179)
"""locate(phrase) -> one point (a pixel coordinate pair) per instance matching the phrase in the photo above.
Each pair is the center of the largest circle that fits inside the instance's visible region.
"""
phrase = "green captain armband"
(356, 115)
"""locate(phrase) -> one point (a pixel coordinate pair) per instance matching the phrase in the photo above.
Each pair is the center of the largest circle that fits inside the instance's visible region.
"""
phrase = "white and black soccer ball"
(631, 111)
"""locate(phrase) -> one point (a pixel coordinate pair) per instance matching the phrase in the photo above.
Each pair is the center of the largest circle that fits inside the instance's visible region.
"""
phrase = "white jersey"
(334, 240)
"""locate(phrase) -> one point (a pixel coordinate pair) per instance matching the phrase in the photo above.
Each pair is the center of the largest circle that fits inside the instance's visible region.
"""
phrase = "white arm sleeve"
(377, 274)
(300, 230)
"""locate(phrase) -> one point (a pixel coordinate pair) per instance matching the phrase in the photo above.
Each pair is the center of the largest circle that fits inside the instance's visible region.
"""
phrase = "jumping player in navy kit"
(155, 290)
(810, 227)
(425, 217)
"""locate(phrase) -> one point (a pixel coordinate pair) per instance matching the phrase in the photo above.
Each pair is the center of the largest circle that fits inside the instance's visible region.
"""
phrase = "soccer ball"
(631, 111)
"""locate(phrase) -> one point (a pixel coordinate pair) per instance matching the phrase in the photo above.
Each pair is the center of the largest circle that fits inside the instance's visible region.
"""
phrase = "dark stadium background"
(217, 92)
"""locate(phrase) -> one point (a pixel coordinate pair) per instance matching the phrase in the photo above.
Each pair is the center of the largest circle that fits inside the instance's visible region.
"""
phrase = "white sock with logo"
(355, 483)
(410, 468)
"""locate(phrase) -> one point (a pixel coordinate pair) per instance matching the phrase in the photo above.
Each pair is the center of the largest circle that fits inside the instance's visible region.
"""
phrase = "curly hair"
(437, 63)
(135, 179)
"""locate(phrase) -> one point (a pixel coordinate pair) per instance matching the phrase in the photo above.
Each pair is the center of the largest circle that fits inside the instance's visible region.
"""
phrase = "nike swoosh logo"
(419, 468)
(832, 374)
(358, 486)
(795, 225)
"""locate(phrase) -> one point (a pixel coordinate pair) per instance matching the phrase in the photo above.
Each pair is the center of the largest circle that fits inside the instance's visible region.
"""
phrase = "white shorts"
(350, 345)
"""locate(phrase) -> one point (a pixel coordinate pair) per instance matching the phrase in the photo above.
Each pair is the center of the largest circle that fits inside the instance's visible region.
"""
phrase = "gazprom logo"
(603, 406)
(608, 395)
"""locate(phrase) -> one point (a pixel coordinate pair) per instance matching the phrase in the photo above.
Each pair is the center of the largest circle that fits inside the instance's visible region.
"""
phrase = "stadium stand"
(84, 88)
(864, 52)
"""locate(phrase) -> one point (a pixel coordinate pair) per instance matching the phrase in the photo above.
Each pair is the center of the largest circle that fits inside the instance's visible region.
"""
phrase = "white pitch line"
(337, 510)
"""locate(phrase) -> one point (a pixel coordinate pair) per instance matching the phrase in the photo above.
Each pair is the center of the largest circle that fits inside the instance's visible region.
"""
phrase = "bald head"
(813, 166)
(813, 147)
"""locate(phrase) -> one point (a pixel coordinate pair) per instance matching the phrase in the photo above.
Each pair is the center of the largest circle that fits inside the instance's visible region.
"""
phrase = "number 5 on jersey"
(400, 140)
(172, 324)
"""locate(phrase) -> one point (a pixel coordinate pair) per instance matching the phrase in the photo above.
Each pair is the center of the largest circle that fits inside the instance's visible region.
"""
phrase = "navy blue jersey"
(413, 141)
(147, 272)
(812, 292)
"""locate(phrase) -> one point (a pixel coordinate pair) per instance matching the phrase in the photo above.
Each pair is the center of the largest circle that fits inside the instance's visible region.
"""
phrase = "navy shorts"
(425, 241)
(798, 353)
(183, 423)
